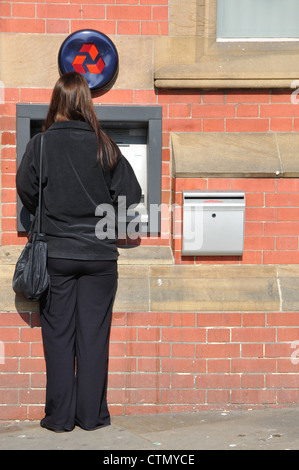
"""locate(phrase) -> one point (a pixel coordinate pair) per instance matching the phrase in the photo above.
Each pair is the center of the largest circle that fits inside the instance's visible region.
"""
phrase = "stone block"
(153, 284)
(235, 154)
(218, 288)
(145, 255)
(289, 280)
(133, 289)
(288, 145)
(31, 60)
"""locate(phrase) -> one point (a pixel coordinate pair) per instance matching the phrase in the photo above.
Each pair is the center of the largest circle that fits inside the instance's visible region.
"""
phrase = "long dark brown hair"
(71, 100)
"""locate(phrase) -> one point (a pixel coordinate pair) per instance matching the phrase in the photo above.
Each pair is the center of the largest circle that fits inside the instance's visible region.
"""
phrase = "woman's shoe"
(43, 425)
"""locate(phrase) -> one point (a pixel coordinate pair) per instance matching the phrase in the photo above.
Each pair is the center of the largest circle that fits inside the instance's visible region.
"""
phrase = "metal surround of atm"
(138, 132)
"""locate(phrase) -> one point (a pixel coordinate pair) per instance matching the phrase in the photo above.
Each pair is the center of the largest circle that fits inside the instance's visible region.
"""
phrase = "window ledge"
(243, 155)
(189, 76)
(190, 63)
(145, 255)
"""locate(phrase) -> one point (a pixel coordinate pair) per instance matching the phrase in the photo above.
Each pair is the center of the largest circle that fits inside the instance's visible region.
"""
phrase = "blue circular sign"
(91, 53)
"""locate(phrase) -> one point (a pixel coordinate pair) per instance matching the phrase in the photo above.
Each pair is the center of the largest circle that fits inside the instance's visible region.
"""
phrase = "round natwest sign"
(91, 53)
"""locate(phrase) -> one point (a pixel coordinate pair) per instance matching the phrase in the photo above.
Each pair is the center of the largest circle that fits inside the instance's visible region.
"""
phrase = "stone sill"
(235, 154)
(210, 84)
(191, 76)
(133, 266)
(145, 255)
(199, 62)
(177, 288)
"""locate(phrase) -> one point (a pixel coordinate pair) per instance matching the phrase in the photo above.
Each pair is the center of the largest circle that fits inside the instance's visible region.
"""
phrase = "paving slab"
(267, 429)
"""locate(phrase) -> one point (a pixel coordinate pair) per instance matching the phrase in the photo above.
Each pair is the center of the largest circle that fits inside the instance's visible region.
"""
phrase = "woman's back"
(74, 185)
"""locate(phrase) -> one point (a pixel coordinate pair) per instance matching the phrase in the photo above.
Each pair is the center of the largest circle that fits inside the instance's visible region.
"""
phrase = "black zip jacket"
(74, 186)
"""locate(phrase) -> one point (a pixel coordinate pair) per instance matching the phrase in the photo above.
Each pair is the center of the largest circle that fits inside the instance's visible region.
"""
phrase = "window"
(194, 56)
(257, 19)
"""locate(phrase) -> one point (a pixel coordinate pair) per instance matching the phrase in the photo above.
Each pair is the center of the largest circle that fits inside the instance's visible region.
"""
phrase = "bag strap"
(40, 186)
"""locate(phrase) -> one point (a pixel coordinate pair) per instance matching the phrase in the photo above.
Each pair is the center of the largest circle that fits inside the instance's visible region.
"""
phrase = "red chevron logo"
(78, 61)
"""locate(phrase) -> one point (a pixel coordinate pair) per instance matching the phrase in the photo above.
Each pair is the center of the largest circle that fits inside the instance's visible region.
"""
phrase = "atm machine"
(137, 130)
(132, 143)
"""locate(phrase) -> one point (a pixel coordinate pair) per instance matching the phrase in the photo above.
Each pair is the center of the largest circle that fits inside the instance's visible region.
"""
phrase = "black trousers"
(76, 320)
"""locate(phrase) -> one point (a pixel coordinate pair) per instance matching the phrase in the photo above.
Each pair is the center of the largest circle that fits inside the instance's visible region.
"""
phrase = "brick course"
(149, 17)
(162, 362)
(271, 204)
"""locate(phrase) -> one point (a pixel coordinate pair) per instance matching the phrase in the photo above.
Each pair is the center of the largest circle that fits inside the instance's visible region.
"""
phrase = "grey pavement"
(266, 429)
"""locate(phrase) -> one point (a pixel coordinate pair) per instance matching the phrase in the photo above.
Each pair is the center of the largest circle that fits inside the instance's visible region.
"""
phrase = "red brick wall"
(165, 362)
(271, 220)
(272, 205)
(133, 17)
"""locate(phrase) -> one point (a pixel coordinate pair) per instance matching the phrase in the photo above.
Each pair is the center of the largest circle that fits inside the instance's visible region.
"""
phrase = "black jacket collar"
(70, 125)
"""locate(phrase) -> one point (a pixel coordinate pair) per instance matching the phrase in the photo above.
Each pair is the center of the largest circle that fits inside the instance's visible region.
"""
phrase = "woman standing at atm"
(82, 168)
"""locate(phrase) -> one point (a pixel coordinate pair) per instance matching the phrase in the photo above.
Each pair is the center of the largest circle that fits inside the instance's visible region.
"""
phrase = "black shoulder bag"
(31, 279)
